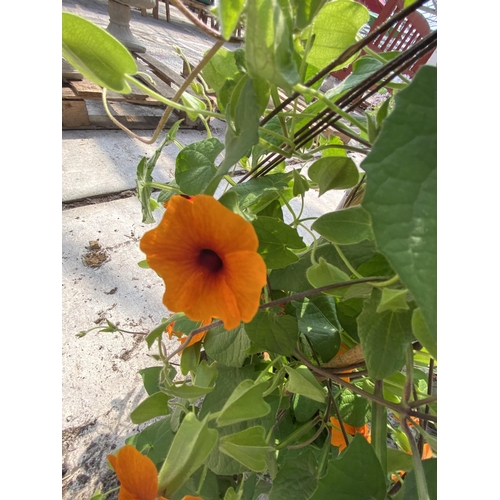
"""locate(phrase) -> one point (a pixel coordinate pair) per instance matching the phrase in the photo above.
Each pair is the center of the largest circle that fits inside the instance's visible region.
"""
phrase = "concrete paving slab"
(101, 384)
(97, 162)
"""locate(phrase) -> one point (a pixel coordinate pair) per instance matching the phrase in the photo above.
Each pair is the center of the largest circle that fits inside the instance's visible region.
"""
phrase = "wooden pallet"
(77, 91)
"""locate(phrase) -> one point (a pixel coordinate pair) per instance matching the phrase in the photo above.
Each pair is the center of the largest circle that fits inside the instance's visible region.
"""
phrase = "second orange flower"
(207, 257)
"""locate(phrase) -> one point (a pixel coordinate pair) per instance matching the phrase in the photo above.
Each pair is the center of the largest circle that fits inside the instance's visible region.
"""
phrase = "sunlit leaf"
(155, 405)
(401, 191)
(334, 172)
(96, 54)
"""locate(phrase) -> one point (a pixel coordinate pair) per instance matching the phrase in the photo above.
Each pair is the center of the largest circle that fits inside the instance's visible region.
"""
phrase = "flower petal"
(194, 228)
(137, 474)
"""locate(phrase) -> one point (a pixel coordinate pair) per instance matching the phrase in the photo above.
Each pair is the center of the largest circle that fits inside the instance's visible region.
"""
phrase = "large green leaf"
(271, 332)
(268, 42)
(248, 447)
(422, 333)
(384, 337)
(96, 54)
(229, 13)
(334, 172)
(317, 320)
(297, 478)
(409, 491)
(191, 446)
(250, 192)
(245, 403)
(242, 123)
(220, 68)
(345, 227)
(155, 405)
(194, 165)
(335, 29)
(150, 378)
(401, 191)
(306, 10)
(301, 381)
(227, 347)
(356, 475)
(275, 240)
(155, 440)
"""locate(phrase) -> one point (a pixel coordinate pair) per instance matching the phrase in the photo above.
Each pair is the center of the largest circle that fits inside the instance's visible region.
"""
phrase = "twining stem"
(346, 262)
(276, 101)
(379, 426)
(422, 402)
(423, 493)
(299, 432)
(389, 282)
(372, 397)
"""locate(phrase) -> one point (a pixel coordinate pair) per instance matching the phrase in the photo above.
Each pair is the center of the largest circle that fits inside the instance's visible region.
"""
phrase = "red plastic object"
(400, 37)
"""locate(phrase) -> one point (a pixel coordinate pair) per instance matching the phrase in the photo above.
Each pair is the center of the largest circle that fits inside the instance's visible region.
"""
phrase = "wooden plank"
(74, 114)
(86, 88)
(161, 87)
(163, 71)
(69, 94)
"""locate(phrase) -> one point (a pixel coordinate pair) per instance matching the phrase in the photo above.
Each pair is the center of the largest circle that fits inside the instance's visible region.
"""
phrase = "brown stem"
(393, 406)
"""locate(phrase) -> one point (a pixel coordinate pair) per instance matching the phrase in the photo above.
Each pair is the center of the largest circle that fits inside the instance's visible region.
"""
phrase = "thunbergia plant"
(307, 366)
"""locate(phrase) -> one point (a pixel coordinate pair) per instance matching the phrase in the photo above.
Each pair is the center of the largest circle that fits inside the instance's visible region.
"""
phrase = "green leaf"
(144, 175)
(409, 491)
(220, 68)
(209, 486)
(206, 374)
(345, 227)
(334, 172)
(245, 403)
(156, 333)
(324, 273)
(154, 441)
(306, 11)
(150, 378)
(335, 29)
(317, 320)
(155, 405)
(268, 42)
(194, 165)
(190, 357)
(297, 478)
(191, 446)
(384, 337)
(228, 347)
(401, 191)
(301, 381)
(193, 102)
(398, 460)
(248, 447)
(229, 12)
(393, 300)
(275, 239)
(354, 410)
(186, 391)
(422, 333)
(273, 333)
(362, 68)
(96, 54)
(242, 124)
(300, 183)
(250, 192)
(347, 312)
(304, 408)
(356, 474)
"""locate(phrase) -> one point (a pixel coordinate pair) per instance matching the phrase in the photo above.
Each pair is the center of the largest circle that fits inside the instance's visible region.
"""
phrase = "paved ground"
(101, 384)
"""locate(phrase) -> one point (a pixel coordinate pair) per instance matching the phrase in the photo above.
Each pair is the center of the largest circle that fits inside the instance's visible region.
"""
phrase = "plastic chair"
(400, 37)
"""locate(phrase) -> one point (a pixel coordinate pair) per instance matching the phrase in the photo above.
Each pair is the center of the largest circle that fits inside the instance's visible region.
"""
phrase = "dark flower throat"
(210, 260)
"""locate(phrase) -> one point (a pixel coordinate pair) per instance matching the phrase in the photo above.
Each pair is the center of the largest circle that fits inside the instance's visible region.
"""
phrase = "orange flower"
(137, 475)
(207, 257)
(338, 437)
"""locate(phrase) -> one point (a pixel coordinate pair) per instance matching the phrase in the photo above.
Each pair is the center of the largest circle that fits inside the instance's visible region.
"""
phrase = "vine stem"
(422, 491)
(393, 406)
(273, 303)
